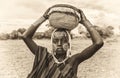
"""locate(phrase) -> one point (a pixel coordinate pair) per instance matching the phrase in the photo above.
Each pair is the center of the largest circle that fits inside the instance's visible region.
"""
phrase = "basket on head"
(64, 16)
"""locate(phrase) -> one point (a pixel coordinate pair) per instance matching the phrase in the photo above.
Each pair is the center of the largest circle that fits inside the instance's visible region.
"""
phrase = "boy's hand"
(45, 15)
(83, 17)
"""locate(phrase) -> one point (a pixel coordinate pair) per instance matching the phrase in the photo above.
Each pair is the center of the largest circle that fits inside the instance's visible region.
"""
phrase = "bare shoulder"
(73, 59)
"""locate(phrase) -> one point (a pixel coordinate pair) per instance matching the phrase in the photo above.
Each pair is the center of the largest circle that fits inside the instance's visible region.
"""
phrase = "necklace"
(56, 60)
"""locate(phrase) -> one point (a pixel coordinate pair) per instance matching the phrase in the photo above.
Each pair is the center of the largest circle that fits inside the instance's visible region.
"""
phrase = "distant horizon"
(7, 26)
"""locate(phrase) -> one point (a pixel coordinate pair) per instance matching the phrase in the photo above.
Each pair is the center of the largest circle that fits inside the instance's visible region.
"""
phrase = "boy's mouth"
(59, 49)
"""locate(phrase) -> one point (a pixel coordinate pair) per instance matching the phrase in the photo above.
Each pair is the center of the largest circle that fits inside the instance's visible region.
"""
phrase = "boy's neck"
(60, 57)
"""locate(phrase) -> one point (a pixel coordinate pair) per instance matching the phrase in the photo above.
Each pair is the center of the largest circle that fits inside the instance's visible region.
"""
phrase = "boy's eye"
(55, 40)
(64, 40)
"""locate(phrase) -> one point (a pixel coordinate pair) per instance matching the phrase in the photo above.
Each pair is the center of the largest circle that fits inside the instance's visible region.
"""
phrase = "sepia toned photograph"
(59, 39)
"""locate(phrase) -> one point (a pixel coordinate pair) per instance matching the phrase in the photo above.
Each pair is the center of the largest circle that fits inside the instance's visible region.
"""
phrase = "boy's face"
(60, 42)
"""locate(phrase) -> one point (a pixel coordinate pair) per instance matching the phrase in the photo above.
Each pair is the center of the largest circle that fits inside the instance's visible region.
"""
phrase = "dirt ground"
(16, 60)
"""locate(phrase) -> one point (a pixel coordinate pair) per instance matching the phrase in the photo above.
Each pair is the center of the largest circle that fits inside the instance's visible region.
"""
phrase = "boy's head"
(61, 42)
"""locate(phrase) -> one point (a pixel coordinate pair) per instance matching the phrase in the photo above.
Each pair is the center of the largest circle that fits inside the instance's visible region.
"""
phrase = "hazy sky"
(28, 9)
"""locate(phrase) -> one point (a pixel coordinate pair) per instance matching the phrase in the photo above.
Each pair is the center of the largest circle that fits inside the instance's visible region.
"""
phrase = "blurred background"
(22, 13)
(17, 15)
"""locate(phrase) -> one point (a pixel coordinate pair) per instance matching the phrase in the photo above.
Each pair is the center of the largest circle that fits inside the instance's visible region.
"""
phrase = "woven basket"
(62, 20)
(63, 17)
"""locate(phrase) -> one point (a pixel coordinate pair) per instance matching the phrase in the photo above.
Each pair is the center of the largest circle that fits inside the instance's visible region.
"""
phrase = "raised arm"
(97, 41)
(27, 36)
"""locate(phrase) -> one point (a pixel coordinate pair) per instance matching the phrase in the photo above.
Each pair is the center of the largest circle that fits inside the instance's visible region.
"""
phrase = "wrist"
(86, 21)
(83, 22)
(45, 16)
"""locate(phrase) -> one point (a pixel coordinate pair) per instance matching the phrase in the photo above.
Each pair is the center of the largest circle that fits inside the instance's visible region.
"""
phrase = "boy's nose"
(59, 43)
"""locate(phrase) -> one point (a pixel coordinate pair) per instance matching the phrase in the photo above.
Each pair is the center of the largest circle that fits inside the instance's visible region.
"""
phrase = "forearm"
(92, 49)
(95, 36)
(31, 30)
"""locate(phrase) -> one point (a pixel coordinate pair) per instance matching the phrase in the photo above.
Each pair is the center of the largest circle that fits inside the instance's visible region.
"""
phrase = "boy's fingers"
(46, 13)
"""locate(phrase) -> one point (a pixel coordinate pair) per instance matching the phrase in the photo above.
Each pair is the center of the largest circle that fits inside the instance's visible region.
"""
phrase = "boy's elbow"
(99, 43)
(23, 36)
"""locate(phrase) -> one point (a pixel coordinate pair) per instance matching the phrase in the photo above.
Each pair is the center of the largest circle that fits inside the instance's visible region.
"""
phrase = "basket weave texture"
(63, 20)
